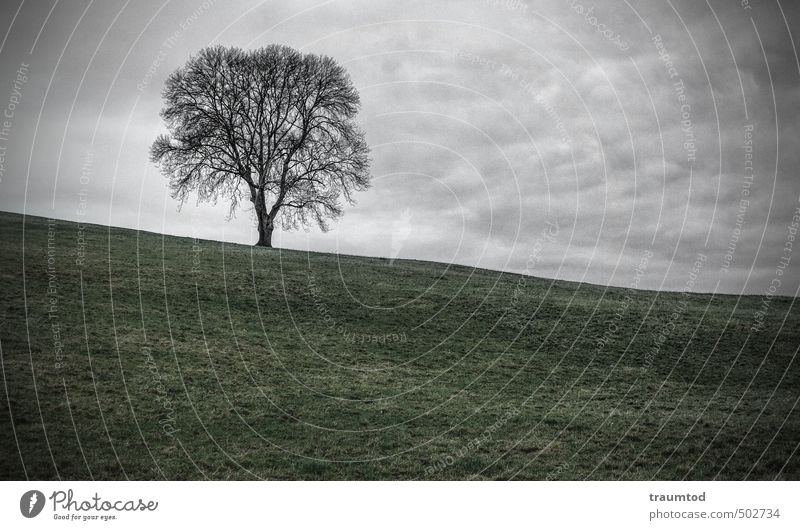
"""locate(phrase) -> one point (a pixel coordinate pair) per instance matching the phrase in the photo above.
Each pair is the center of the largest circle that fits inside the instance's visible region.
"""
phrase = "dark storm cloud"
(488, 120)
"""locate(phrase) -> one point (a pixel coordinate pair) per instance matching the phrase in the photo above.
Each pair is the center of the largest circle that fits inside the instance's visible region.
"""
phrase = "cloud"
(487, 120)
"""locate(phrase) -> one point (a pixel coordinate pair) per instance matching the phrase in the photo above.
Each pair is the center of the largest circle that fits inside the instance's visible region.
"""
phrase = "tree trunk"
(265, 234)
(265, 222)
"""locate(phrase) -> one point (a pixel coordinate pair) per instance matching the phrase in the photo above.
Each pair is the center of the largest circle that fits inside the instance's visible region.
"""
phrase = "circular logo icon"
(31, 503)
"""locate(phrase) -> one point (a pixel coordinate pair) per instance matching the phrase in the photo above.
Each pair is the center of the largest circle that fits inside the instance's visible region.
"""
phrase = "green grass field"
(140, 356)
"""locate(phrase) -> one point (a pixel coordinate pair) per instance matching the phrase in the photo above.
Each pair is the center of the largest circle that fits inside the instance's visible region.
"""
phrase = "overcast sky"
(624, 126)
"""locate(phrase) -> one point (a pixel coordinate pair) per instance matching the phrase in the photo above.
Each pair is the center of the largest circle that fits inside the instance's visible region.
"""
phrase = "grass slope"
(161, 357)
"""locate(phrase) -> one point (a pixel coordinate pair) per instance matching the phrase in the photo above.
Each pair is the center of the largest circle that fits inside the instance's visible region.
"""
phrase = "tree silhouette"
(271, 125)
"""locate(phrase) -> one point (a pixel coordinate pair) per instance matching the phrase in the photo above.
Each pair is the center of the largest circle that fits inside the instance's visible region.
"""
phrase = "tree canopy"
(273, 126)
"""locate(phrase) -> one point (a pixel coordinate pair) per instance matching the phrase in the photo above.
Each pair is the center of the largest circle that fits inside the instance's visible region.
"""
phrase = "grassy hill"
(133, 355)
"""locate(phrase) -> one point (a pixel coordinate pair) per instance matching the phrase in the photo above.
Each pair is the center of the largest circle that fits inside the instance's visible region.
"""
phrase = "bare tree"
(272, 125)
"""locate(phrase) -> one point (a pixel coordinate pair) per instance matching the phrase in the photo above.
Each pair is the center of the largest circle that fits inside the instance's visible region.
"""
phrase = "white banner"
(401, 505)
